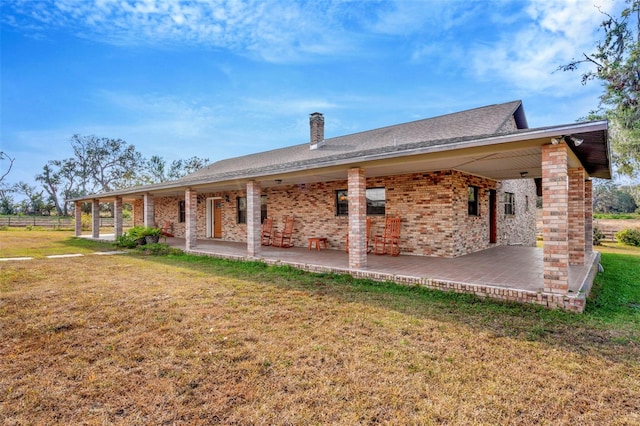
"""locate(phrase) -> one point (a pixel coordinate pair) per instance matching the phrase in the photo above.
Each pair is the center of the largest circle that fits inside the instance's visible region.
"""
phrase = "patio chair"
(267, 228)
(346, 249)
(166, 229)
(389, 241)
(283, 239)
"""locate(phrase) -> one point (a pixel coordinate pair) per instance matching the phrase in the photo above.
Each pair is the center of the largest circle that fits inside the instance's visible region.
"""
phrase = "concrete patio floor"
(503, 272)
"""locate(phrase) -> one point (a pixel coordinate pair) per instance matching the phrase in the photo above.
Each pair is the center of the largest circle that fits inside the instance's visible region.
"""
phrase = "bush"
(126, 241)
(136, 236)
(87, 221)
(598, 236)
(630, 237)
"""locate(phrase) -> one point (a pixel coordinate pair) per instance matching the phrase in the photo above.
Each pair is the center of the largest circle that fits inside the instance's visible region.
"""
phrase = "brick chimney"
(316, 123)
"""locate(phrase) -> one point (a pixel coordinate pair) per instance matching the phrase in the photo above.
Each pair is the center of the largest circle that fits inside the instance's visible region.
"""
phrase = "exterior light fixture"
(523, 174)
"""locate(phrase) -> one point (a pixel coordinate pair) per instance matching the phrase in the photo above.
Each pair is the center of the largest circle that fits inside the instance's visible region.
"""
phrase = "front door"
(493, 225)
(217, 218)
(214, 218)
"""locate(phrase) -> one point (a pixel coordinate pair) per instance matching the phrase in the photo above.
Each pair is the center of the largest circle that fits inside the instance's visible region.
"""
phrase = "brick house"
(461, 183)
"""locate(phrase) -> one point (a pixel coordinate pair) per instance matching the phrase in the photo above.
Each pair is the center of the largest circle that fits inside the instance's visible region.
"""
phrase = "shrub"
(630, 237)
(126, 241)
(87, 221)
(598, 236)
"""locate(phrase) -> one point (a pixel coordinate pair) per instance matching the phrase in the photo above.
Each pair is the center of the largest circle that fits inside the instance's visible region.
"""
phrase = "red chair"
(389, 241)
(283, 239)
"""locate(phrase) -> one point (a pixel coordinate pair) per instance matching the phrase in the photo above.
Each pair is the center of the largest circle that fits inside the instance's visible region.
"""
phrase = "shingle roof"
(488, 120)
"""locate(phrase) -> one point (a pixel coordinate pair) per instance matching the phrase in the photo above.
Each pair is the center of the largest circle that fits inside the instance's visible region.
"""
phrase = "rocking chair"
(283, 239)
(166, 229)
(267, 228)
(390, 240)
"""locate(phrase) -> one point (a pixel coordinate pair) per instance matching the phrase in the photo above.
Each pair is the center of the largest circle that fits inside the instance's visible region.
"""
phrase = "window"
(472, 194)
(263, 208)
(376, 202)
(509, 203)
(242, 208)
(181, 211)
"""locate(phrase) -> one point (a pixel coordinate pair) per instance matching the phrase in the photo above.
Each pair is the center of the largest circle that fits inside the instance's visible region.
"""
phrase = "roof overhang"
(498, 157)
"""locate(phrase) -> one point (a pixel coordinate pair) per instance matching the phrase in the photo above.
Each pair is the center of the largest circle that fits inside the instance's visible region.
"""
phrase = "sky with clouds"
(224, 78)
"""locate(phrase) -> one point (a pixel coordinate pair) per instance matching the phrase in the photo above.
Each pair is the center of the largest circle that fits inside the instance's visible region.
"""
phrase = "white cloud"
(554, 33)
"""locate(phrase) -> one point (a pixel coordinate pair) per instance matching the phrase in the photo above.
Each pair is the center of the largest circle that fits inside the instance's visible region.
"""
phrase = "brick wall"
(433, 208)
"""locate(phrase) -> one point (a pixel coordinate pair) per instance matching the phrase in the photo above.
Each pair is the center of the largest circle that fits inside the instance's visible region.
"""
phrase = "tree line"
(98, 164)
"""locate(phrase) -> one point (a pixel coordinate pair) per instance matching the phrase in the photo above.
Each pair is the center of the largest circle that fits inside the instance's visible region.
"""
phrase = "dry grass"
(142, 340)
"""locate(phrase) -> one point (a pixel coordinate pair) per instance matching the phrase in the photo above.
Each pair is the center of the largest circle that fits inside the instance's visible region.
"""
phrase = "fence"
(54, 221)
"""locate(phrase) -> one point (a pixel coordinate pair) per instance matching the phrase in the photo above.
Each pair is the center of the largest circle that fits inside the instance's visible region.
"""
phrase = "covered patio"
(510, 273)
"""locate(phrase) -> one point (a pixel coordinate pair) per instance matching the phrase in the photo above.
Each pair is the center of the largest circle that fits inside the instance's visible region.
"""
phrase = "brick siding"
(433, 207)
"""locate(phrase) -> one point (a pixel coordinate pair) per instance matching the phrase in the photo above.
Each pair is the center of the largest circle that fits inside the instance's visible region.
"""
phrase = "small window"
(376, 202)
(509, 203)
(242, 209)
(181, 211)
(526, 203)
(472, 193)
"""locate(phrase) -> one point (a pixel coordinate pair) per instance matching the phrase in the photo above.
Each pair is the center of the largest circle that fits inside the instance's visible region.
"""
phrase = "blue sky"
(220, 79)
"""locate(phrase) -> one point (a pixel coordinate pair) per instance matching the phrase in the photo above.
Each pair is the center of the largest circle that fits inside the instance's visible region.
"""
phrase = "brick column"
(138, 212)
(190, 218)
(117, 216)
(357, 218)
(576, 216)
(149, 213)
(95, 218)
(253, 219)
(555, 232)
(588, 216)
(77, 212)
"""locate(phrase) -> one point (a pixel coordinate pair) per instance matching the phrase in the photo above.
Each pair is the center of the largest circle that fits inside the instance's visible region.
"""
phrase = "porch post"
(117, 216)
(95, 218)
(588, 216)
(576, 216)
(149, 213)
(190, 219)
(77, 213)
(555, 233)
(357, 218)
(253, 219)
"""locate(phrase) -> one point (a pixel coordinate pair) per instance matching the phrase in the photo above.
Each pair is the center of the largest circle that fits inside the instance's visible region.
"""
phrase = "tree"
(34, 204)
(611, 198)
(156, 169)
(5, 156)
(59, 179)
(105, 164)
(616, 63)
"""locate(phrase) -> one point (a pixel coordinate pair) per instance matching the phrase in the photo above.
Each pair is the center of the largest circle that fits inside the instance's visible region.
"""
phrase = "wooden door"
(217, 218)
(493, 218)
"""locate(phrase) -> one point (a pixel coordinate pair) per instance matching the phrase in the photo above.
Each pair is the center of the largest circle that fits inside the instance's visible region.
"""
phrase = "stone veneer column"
(253, 219)
(95, 218)
(149, 213)
(190, 218)
(588, 216)
(117, 216)
(555, 233)
(576, 216)
(357, 187)
(77, 212)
